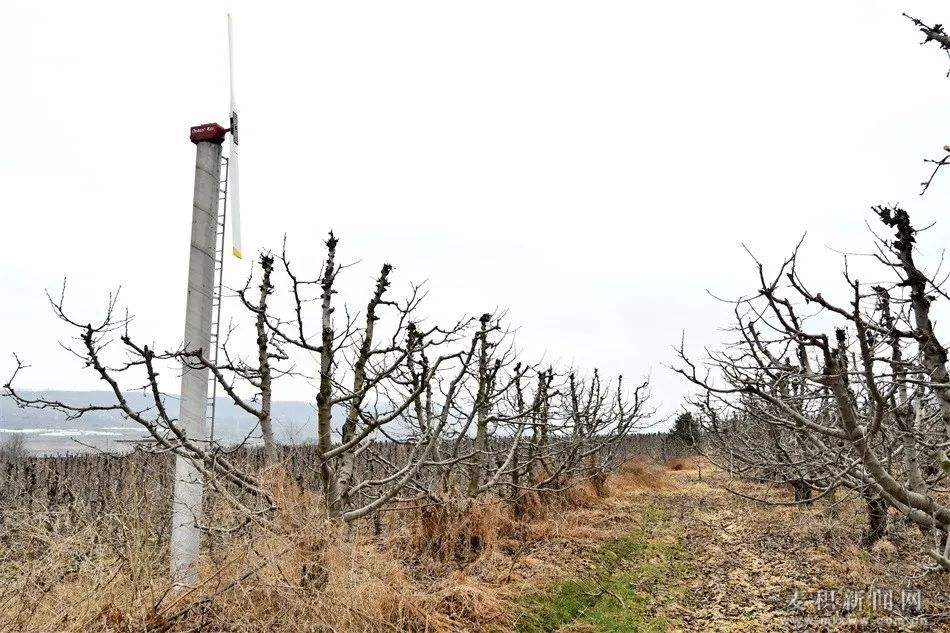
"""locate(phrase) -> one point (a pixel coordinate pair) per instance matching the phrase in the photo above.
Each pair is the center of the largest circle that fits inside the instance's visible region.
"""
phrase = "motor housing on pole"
(211, 132)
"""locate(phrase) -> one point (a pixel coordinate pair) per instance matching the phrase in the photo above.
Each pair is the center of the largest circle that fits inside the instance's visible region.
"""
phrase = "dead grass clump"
(690, 462)
(304, 572)
(580, 496)
(529, 505)
(598, 482)
(640, 475)
(55, 578)
(468, 600)
(885, 549)
(457, 531)
(562, 493)
(363, 588)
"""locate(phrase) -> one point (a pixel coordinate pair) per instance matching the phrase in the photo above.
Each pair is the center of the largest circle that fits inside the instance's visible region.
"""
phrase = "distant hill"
(48, 430)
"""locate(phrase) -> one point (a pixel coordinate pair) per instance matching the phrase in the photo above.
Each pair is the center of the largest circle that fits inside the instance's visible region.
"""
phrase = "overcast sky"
(590, 166)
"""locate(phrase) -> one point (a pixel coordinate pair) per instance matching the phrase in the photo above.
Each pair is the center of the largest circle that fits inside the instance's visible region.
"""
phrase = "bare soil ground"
(712, 561)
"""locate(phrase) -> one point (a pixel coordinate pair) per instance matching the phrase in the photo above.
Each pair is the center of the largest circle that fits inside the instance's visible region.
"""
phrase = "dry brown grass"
(642, 475)
(299, 572)
(689, 462)
(456, 531)
(447, 567)
(529, 505)
(314, 574)
(457, 566)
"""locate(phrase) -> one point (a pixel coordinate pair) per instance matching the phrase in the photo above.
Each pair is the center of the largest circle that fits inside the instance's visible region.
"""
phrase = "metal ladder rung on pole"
(216, 296)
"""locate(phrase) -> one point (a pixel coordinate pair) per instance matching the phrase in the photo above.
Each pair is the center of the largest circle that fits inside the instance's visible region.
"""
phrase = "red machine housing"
(211, 132)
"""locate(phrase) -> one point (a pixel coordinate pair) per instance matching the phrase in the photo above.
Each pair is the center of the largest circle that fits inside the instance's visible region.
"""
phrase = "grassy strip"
(613, 598)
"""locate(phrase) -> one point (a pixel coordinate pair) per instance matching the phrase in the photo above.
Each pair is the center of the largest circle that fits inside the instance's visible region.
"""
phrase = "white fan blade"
(233, 163)
(235, 189)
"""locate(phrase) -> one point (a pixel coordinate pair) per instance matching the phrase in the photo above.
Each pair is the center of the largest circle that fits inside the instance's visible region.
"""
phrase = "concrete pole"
(189, 488)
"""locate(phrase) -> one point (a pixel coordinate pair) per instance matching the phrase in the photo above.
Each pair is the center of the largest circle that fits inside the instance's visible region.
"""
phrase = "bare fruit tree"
(409, 412)
(852, 393)
(821, 394)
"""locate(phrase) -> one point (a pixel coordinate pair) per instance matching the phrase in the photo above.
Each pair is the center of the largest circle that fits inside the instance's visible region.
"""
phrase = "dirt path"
(764, 568)
(748, 566)
(693, 557)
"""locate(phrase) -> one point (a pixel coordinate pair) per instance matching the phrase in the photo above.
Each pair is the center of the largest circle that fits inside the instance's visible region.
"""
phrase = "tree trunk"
(263, 358)
(324, 429)
(481, 404)
(347, 468)
(877, 518)
(802, 491)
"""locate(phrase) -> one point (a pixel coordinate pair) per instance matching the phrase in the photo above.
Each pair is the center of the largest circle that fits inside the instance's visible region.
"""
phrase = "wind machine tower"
(213, 175)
